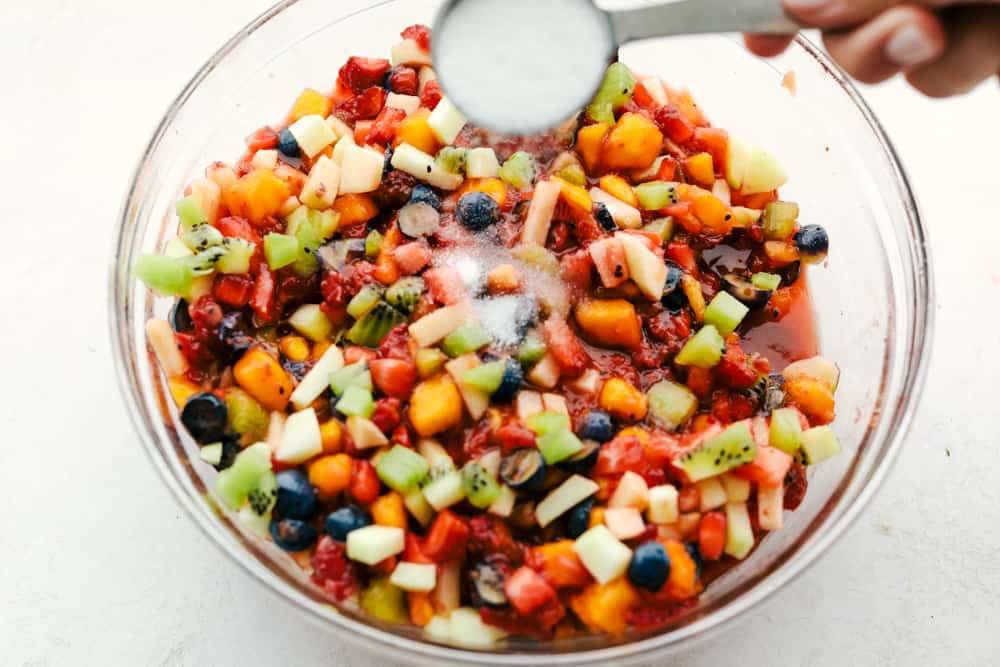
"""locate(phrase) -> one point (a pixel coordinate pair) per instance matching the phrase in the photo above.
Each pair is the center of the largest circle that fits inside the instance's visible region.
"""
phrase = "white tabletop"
(99, 565)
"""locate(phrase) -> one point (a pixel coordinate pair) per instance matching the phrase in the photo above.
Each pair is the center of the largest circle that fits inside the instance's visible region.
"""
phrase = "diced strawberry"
(414, 552)
(620, 455)
(566, 347)
(362, 73)
(680, 253)
(387, 413)
(769, 467)
(262, 139)
(668, 169)
(419, 33)
(586, 230)
(232, 290)
(736, 370)
(576, 269)
(513, 435)
(366, 104)
(262, 299)
(239, 228)
(355, 353)
(490, 536)
(401, 436)
(446, 538)
(403, 80)
(642, 97)
(383, 130)
(362, 129)
(445, 285)
(364, 482)
(332, 571)
(394, 377)
(712, 535)
(673, 123)
(412, 257)
(396, 345)
(538, 625)
(661, 448)
(527, 590)
(609, 259)
(431, 95)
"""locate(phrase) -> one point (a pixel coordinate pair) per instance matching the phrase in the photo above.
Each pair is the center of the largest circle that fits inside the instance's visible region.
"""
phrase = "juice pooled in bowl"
(498, 386)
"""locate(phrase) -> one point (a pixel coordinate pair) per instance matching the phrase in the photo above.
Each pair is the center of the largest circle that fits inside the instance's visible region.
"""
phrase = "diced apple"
(771, 506)
(422, 166)
(446, 121)
(317, 379)
(737, 156)
(275, 429)
(209, 196)
(554, 403)
(624, 522)
(712, 494)
(466, 627)
(448, 592)
(365, 433)
(476, 401)
(647, 271)
(602, 554)
(414, 577)
(504, 505)
(490, 461)
(482, 163)
(408, 103)
(161, 339)
(632, 491)
(300, 438)
(737, 488)
(433, 327)
(625, 216)
(739, 531)
(312, 134)
(339, 127)
(588, 384)
(539, 218)
(416, 504)
(361, 170)
(559, 501)
(663, 504)
(321, 188)
(545, 373)
(763, 173)
(265, 159)
(528, 403)
(408, 52)
(425, 75)
(373, 544)
(340, 149)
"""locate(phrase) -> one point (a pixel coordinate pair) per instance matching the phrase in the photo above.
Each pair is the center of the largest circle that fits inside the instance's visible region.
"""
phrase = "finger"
(829, 14)
(973, 53)
(767, 46)
(898, 39)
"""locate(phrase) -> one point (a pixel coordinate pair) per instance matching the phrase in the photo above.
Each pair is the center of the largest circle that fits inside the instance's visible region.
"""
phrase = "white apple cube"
(737, 488)
(763, 173)
(771, 506)
(739, 532)
(161, 338)
(312, 134)
(476, 400)
(373, 544)
(624, 522)
(482, 163)
(416, 504)
(528, 403)
(408, 52)
(265, 159)
(341, 148)
(425, 75)
(711, 493)
(414, 577)
(504, 504)
(408, 103)
(559, 501)
(632, 491)
(602, 554)
(300, 438)
(361, 170)
(545, 373)
(554, 403)
(490, 461)
(420, 165)
(466, 627)
(340, 128)
(663, 504)
(446, 121)
(317, 379)
(647, 271)
(588, 383)
(365, 433)
(438, 628)
(433, 327)
(543, 207)
(321, 189)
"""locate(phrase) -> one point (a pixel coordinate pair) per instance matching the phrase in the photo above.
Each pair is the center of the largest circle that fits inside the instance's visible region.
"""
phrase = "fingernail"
(910, 46)
(810, 6)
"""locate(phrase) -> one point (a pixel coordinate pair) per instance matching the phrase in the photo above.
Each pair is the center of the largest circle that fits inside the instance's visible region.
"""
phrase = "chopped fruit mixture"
(498, 386)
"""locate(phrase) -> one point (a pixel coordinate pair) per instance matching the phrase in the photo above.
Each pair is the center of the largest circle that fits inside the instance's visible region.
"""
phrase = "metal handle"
(688, 17)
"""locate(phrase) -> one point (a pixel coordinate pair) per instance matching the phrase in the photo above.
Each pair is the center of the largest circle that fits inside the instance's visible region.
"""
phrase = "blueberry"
(584, 459)
(234, 332)
(424, 194)
(180, 318)
(578, 518)
(293, 534)
(296, 496)
(205, 417)
(344, 520)
(387, 164)
(288, 144)
(695, 554)
(650, 566)
(477, 211)
(603, 217)
(513, 376)
(487, 584)
(596, 426)
(813, 243)
(673, 296)
(524, 470)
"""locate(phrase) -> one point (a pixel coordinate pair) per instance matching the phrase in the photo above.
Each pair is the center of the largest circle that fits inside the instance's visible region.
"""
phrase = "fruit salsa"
(497, 386)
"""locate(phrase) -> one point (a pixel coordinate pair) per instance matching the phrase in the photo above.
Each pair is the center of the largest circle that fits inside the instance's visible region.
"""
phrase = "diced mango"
(258, 195)
(261, 375)
(618, 187)
(310, 103)
(354, 209)
(623, 400)
(296, 348)
(812, 397)
(436, 405)
(415, 130)
(713, 213)
(332, 433)
(683, 581)
(610, 322)
(588, 144)
(504, 279)
(494, 187)
(605, 607)
(388, 510)
(577, 198)
(700, 169)
(633, 143)
(182, 389)
(560, 564)
(781, 253)
(421, 608)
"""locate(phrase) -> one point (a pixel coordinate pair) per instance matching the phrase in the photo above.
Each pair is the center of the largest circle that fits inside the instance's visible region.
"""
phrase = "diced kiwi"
(376, 324)
(236, 482)
(356, 402)
(385, 602)
(779, 220)
(405, 293)
(818, 444)
(532, 349)
(237, 257)
(703, 350)
(280, 250)
(519, 170)
(203, 263)
(401, 468)
(730, 449)
(546, 422)
(655, 195)
(725, 313)
(364, 300)
(190, 212)
(615, 92)
(786, 430)
(373, 243)
(559, 445)
(264, 495)
(452, 159)
(573, 173)
(465, 339)
(353, 374)
(671, 405)
(168, 276)
(246, 416)
(201, 236)
(481, 488)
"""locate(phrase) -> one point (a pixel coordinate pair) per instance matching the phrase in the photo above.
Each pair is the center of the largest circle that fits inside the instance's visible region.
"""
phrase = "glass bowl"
(872, 297)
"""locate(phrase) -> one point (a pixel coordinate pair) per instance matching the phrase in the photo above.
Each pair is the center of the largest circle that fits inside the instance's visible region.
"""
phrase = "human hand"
(943, 47)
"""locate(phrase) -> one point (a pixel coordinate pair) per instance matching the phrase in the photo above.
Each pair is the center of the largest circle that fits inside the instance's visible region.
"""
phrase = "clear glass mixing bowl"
(872, 296)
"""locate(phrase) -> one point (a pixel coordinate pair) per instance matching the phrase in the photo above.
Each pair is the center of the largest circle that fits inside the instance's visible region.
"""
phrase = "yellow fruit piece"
(310, 103)
(295, 348)
(421, 608)
(261, 375)
(622, 400)
(813, 398)
(577, 198)
(258, 195)
(640, 433)
(604, 607)
(618, 187)
(436, 405)
(713, 213)
(504, 279)
(494, 187)
(319, 349)
(415, 130)
(699, 168)
(331, 474)
(388, 510)
(694, 295)
(683, 580)
(354, 209)
(182, 389)
(610, 322)
(588, 144)
(633, 143)
(332, 433)
(596, 517)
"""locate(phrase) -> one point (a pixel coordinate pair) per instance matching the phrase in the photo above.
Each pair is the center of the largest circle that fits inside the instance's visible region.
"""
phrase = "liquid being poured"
(520, 66)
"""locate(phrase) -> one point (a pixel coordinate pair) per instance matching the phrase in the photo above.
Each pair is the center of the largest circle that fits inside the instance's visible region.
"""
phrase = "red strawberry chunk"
(403, 80)
(394, 377)
(331, 569)
(411, 257)
(566, 347)
(431, 95)
(420, 34)
(576, 269)
(445, 286)
(383, 130)
(362, 73)
(363, 105)
(673, 123)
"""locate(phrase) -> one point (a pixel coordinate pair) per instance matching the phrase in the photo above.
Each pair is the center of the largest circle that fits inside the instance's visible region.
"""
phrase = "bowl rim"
(409, 650)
